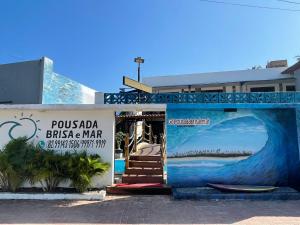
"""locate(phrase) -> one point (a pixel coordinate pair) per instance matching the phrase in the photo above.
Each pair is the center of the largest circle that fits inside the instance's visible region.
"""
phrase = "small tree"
(119, 138)
(83, 168)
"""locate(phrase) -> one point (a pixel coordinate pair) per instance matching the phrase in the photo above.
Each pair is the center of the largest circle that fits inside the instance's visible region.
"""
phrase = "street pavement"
(149, 210)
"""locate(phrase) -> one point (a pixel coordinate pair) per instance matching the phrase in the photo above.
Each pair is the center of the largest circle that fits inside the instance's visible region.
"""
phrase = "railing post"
(127, 151)
(143, 131)
(155, 139)
(150, 134)
(162, 149)
(135, 137)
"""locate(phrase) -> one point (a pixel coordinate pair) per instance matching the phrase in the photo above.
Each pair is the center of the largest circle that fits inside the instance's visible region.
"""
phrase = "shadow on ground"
(146, 210)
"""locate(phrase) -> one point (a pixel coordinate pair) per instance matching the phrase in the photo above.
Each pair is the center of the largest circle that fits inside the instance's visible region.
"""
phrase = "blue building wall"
(268, 131)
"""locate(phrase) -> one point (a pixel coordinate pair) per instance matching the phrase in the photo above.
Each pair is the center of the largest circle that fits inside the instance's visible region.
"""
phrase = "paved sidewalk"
(149, 210)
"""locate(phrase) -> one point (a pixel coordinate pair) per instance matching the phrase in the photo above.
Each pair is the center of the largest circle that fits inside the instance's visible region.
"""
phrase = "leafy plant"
(83, 168)
(9, 179)
(50, 169)
(14, 159)
(22, 161)
(119, 138)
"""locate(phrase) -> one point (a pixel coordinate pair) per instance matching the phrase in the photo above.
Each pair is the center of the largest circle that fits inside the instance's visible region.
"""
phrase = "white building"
(277, 76)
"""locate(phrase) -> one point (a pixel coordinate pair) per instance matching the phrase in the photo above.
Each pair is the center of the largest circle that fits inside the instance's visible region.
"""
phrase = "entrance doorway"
(140, 154)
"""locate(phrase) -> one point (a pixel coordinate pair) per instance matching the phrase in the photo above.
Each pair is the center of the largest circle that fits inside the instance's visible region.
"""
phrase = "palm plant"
(9, 179)
(13, 165)
(83, 168)
(21, 161)
(49, 169)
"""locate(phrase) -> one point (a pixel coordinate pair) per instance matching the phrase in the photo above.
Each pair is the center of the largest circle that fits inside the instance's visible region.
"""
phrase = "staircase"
(144, 163)
(144, 169)
(144, 158)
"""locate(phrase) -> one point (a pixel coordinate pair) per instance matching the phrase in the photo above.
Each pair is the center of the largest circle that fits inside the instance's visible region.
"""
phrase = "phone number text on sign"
(75, 144)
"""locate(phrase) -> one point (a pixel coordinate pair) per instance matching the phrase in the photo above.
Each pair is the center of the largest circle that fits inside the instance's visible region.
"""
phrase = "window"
(262, 89)
(233, 89)
(217, 90)
(290, 88)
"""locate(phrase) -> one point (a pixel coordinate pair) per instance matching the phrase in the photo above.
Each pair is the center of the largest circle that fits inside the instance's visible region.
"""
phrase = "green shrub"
(83, 168)
(22, 161)
(14, 161)
(50, 169)
(9, 179)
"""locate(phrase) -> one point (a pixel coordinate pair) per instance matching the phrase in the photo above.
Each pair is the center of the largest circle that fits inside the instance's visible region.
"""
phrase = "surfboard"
(242, 188)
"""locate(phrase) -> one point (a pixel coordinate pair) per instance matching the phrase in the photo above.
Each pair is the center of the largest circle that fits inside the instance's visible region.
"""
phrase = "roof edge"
(292, 68)
(211, 72)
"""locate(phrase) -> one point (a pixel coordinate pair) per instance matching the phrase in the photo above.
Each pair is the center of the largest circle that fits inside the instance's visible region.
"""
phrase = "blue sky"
(95, 41)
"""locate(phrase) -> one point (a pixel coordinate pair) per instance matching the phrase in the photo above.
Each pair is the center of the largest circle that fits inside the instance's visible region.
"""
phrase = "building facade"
(35, 82)
(274, 78)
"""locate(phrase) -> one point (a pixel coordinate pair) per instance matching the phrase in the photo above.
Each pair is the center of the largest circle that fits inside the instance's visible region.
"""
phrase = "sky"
(95, 41)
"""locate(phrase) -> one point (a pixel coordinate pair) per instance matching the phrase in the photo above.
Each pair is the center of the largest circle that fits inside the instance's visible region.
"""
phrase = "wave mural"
(243, 147)
(248, 133)
(58, 89)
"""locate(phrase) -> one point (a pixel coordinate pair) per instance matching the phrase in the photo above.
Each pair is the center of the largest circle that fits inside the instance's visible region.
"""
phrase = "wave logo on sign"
(21, 126)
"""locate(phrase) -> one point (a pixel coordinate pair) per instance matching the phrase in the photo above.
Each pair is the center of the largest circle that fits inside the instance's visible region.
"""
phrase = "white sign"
(90, 130)
(189, 122)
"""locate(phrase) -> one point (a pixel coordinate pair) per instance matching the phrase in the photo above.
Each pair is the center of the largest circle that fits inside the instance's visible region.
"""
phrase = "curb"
(93, 195)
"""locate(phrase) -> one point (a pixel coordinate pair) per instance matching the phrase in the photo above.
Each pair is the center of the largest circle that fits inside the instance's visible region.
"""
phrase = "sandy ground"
(149, 210)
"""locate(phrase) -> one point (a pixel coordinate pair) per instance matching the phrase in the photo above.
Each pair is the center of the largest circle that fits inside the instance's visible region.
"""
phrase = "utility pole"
(139, 60)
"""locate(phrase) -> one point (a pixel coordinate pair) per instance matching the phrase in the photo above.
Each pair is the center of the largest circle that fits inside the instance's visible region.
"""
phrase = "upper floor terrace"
(206, 97)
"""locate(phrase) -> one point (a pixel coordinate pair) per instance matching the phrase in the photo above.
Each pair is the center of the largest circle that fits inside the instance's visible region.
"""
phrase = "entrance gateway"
(142, 166)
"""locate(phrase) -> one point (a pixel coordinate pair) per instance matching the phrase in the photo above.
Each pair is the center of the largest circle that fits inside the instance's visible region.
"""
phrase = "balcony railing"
(253, 97)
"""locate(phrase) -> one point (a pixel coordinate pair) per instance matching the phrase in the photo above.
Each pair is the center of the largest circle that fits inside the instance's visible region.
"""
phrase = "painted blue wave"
(241, 133)
(267, 167)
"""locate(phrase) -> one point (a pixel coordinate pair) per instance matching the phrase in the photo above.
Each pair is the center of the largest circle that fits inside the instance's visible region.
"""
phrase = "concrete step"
(145, 157)
(145, 164)
(135, 179)
(139, 190)
(144, 171)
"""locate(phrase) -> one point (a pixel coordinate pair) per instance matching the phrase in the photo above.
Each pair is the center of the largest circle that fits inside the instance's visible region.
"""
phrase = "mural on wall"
(246, 146)
(58, 89)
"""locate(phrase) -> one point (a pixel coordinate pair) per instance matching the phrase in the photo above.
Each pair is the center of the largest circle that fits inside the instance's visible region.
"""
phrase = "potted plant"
(119, 138)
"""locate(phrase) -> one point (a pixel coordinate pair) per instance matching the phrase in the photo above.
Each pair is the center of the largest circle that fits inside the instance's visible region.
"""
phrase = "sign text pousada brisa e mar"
(75, 134)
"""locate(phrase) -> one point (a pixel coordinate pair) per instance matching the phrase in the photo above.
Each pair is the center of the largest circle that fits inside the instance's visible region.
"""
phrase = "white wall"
(228, 89)
(211, 88)
(40, 125)
(99, 98)
(297, 76)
